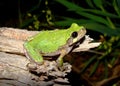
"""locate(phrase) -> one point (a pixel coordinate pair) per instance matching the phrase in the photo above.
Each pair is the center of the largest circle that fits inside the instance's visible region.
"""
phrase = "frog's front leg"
(60, 58)
(33, 54)
(64, 50)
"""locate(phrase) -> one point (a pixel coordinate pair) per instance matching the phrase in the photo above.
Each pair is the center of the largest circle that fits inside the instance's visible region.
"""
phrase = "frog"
(54, 42)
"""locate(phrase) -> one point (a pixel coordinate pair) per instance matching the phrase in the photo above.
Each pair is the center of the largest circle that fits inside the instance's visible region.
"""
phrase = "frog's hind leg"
(32, 54)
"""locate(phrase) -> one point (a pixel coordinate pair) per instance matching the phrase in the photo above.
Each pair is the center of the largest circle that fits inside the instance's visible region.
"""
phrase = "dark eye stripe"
(74, 34)
(82, 39)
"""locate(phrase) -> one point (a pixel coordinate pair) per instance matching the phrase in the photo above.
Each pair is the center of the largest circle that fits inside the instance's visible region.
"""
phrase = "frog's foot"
(33, 65)
(61, 65)
(65, 67)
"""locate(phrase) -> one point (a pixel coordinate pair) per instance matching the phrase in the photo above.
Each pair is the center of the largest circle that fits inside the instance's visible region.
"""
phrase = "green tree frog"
(54, 42)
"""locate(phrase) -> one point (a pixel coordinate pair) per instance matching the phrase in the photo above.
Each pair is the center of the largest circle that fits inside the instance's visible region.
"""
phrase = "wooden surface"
(13, 63)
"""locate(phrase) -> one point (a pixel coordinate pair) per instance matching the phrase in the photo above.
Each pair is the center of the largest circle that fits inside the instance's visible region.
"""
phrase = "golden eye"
(74, 34)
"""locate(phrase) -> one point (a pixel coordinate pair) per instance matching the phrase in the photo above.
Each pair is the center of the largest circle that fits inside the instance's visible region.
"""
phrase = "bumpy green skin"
(48, 41)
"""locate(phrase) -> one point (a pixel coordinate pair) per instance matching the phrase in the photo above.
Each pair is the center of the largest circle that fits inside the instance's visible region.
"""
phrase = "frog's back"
(50, 41)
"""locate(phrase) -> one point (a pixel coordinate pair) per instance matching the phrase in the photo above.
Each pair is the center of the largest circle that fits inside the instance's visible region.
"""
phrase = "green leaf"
(106, 68)
(63, 23)
(99, 12)
(80, 10)
(103, 29)
(26, 22)
(67, 21)
(87, 64)
(113, 60)
(118, 2)
(89, 2)
(116, 7)
(98, 3)
(70, 5)
(94, 68)
(93, 17)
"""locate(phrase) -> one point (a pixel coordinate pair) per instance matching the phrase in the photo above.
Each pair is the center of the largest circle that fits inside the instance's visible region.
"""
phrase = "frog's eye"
(74, 34)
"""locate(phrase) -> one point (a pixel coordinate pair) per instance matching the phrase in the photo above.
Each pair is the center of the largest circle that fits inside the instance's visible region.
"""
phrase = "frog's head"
(77, 33)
